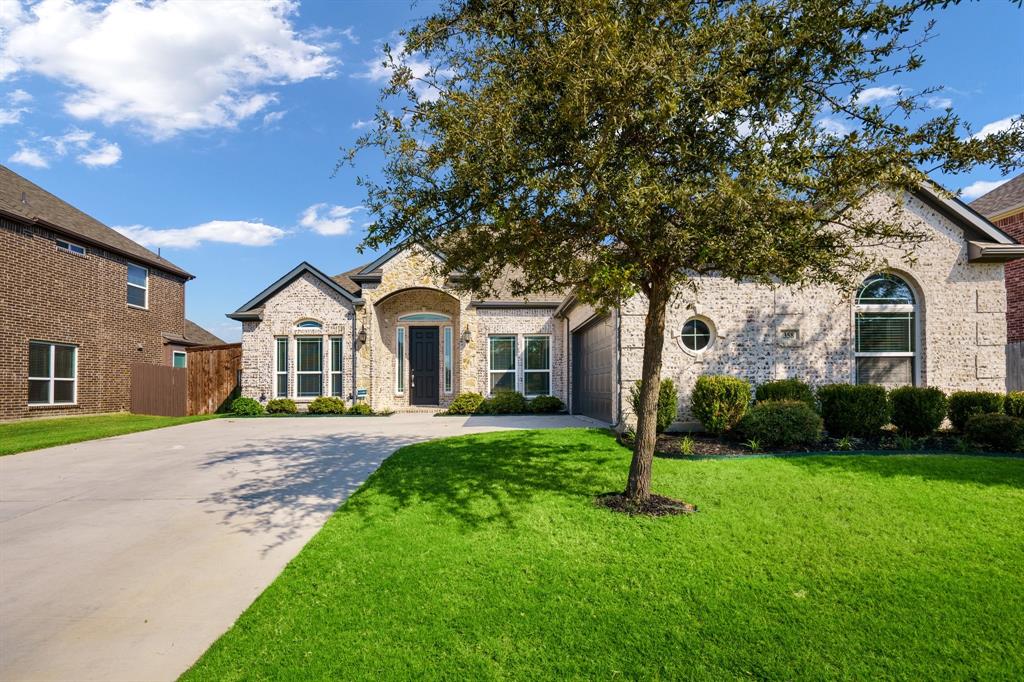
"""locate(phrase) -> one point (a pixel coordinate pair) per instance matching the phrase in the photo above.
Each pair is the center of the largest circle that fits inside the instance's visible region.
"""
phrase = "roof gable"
(251, 309)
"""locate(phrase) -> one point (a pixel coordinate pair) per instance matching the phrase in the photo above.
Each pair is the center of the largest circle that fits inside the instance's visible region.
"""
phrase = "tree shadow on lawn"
(482, 481)
(977, 470)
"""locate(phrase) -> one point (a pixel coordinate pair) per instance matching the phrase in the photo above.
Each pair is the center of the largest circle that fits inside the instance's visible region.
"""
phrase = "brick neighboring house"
(397, 336)
(1004, 207)
(80, 303)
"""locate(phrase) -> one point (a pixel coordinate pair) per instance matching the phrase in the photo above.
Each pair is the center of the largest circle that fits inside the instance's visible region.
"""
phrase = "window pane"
(137, 275)
(336, 355)
(39, 359)
(538, 352)
(503, 352)
(447, 359)
(885, 371)
(336, 384)
(696, 335)
(282, 385)
(282, 355)
(885, 290)
(537, 383)
(309, 355)
(63, 391)
(309, 384)
(503, 381)
(310, 324)
(39, 391)
(400, 360)
(137, 296)
(64, 362)
(885, 332)
(179, 360)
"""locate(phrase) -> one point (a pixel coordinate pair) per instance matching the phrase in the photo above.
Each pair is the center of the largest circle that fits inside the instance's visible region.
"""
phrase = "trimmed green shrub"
(999, 432)
(546, 404)
(781, 424)
(854, 410)
(246, 407)
(327, 405)
(1014, 404)
(918, 411)
(281, 406)
(719, 402)
(466, 403)
(360, 409)
(785, 389)
(965, 404)
(504, 402)
(668, 403)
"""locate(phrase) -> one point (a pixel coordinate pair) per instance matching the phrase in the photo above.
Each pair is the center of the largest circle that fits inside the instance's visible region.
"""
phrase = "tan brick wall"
(52, 295)
(521, 323)
(961, 314)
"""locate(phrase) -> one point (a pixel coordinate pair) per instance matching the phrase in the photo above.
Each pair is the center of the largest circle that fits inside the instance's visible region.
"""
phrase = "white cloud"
(350, 35)
(168, 66)
(106, 155)
(360, 124)
(999, 126)
(833, 126)
(870, 95)
(242, 232)
(329, 220)
(28, 156)
(976, 189)
(19, 96)
(272, 118)
(377, 71)
(939, 102)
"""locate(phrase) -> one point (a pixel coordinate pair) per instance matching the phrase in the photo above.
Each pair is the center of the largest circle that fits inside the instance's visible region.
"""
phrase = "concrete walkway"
(125, 558)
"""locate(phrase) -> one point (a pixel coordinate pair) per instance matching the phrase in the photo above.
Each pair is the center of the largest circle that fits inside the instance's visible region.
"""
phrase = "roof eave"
(984, 252)
(514, 304)
(963, 214)
(244, 316)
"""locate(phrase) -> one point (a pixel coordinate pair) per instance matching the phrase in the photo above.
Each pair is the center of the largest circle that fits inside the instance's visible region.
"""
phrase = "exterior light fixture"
(362, 334)
(467, 335)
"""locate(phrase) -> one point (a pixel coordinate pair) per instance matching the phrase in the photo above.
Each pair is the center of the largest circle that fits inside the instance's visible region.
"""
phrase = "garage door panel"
(593, 368)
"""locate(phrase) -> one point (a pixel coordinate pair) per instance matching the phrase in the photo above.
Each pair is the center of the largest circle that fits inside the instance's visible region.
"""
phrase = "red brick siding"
(51, 295)
(1013, 225)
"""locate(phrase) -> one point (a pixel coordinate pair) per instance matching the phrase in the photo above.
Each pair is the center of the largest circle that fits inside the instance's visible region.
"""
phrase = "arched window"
(425, 317)
(308, 324)
(886, 316)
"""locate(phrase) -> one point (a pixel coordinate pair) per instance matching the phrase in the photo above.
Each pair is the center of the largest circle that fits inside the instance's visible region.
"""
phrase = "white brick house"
(394, 335)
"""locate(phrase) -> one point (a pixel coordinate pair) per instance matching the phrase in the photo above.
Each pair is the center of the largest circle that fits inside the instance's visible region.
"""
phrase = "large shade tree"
(616, 147)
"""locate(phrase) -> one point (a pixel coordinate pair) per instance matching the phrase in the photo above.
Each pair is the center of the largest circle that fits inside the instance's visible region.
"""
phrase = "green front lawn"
(483, 557)
(34, 434)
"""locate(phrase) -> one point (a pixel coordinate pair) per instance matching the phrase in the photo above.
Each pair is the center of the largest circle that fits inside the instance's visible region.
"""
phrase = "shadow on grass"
(978, 470)
(480, 480)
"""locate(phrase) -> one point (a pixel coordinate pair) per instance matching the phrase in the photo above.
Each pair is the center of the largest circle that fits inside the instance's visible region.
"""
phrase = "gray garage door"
(593, 353)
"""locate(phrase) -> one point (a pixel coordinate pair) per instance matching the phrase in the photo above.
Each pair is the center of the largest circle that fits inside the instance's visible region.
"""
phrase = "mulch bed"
(656, 505)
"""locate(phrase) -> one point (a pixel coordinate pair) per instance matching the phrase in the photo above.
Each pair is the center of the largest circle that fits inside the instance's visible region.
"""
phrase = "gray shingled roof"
(24, 200)
(196, 334)
(346, 282)
(1003, 198)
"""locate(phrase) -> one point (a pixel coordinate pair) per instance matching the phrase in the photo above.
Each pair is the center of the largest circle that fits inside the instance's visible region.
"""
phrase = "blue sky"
(161, 119)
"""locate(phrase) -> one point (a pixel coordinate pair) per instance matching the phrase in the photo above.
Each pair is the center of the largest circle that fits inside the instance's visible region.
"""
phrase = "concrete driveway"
(125, 558)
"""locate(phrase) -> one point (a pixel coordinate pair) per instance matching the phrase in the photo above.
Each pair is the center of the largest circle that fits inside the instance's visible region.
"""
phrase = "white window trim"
(548, 371)
(712, 329)
(441, 317)
(277, 369)
(181, 353)
(341, 366)
(145, 289)
(515, 361)
(70, 247)
(400, 343)
(915, 308)
(298, 373)
(53, 379)
(448, 360)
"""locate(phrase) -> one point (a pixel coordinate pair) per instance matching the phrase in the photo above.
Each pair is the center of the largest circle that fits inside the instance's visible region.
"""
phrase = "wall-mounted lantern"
(467, 335)
(362, 335)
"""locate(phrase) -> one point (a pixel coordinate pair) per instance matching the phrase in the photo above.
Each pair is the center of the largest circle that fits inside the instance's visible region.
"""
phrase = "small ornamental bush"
(854, 410)
(668, 403)
(918, 411)
(965, 404)
(785, 389)
(999, 432)
(719, 402)
(504, 402)
(466, 403)
(327, 405)
(281, 406)
(1014, 404)
(781, 424)
(246, 407)
(546, 404)
(360, 409)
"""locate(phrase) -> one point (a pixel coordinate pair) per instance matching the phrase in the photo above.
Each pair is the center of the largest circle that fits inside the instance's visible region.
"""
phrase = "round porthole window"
(696, 335)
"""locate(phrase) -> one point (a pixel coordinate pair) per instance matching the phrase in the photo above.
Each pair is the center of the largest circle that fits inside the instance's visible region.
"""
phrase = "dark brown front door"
(423, 365)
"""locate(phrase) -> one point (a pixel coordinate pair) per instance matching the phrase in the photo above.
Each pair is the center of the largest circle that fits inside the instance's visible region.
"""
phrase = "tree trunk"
(638, 487)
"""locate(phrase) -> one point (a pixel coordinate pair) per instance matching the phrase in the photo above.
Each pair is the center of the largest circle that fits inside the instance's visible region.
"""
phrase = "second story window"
(138, 286)
(70, 247)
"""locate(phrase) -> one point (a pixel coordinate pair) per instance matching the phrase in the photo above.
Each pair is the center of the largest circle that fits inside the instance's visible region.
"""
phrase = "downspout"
(355, 355)
(617, 412)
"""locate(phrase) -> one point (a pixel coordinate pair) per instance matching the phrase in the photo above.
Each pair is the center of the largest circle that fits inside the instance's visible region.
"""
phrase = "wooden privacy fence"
(209, 381)
(159, 389)
(213, 373)
(1015, 366)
